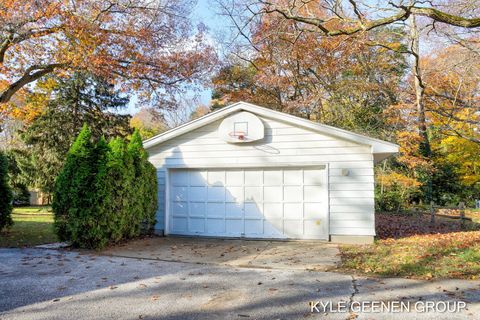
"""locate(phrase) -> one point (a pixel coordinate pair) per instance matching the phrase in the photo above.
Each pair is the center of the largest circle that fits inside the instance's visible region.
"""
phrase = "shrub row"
(6, 195)
(106, 192)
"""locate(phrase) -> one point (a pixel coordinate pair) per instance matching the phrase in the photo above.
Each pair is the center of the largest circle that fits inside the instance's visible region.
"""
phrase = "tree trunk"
(424, 147)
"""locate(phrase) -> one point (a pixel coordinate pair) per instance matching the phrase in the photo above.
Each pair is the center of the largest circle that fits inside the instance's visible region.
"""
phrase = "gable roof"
(381, 149)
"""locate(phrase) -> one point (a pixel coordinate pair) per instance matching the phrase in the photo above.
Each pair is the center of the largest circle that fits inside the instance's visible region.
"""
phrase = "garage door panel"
(273, 227)
(197, 209)
(293, 194)
(314, 210)
(234, 210)
(273, 178)
(253, 178)
(293, 210)
(273, 194)
(253, 210)
(234, 194)
(293, 228)
(197, 193)
(215, 226)
(215, 210)
(179, 208)
(273, 210)
(313, 177)
(263, 203)
(198, 178)
(312, 193)
(234, 227)
(315, 228)
(253, 227)
(216, 178)
(292, 177)
(196, 225)
(179, 178)
(179, 193)
(216, 194)
(234, 178)
(253, 194)
(179, 224)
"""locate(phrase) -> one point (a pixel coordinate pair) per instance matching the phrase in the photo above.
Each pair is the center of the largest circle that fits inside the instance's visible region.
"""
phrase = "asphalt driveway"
(50, 284)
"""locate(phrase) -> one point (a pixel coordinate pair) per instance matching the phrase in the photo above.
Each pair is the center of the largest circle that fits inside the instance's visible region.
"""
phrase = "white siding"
(351, 197)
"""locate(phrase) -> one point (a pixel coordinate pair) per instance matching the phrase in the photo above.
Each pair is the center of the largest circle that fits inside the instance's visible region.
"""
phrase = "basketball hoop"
(240, 135)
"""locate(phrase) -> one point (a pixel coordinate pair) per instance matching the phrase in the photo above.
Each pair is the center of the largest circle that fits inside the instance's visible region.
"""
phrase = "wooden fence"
(450, 212)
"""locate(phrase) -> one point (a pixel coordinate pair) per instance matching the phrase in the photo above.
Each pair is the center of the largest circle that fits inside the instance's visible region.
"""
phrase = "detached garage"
(251, 172)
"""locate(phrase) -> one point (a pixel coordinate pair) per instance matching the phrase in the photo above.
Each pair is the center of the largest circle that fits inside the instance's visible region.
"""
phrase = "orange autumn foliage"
(144, 46)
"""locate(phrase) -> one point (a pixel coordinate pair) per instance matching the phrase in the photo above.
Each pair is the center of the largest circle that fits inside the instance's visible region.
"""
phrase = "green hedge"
(106, 192)
(6, 195)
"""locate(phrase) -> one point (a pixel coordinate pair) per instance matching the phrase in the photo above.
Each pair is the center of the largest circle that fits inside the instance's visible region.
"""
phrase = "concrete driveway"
(50, 284)
(291, 255)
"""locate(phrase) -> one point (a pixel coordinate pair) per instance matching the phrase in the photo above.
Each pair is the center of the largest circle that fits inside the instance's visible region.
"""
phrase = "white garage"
(249, 172)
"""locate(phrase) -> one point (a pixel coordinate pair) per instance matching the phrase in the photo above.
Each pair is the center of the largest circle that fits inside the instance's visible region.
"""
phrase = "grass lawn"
(441, 252)
(31, 226)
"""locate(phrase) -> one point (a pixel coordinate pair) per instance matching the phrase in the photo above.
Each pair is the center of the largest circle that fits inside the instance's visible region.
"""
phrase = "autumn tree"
(236, 81)
(199, 111)
(453, 109)
(337, 81)
(357, 20)
(73, 102)
(146, 46)
(149, 122)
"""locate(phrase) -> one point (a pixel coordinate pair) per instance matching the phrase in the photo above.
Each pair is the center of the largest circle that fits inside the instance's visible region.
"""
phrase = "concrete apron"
(268, 254)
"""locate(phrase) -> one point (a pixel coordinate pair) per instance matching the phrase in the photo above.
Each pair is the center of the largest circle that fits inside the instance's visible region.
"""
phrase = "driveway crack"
(260, 252)
(355, 291)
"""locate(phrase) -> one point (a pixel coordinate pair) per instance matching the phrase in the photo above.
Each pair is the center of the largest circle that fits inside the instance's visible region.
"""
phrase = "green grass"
(31, 226)
(450, 255)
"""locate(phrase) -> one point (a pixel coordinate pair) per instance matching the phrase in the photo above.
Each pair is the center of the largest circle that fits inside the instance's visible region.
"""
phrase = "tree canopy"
(147, 46)
(401, 71)
(68, 105)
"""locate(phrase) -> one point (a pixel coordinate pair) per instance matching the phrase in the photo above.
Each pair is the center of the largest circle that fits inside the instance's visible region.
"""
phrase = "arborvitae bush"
(74, 196)
(106, 193)
(6, 195)
(146, 182)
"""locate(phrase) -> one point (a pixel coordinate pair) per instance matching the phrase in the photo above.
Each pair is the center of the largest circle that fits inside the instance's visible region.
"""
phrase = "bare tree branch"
(404, 12)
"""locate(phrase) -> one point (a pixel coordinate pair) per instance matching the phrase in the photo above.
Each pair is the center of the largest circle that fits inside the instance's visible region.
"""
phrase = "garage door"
(255, 203)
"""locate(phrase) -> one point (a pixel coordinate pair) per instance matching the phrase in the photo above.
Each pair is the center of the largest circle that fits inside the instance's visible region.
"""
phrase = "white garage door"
(255, 203)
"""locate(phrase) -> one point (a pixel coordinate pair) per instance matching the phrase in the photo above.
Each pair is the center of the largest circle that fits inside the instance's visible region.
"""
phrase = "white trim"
(327, 197)
(247, 165)
(378, 146)
(167, 203)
